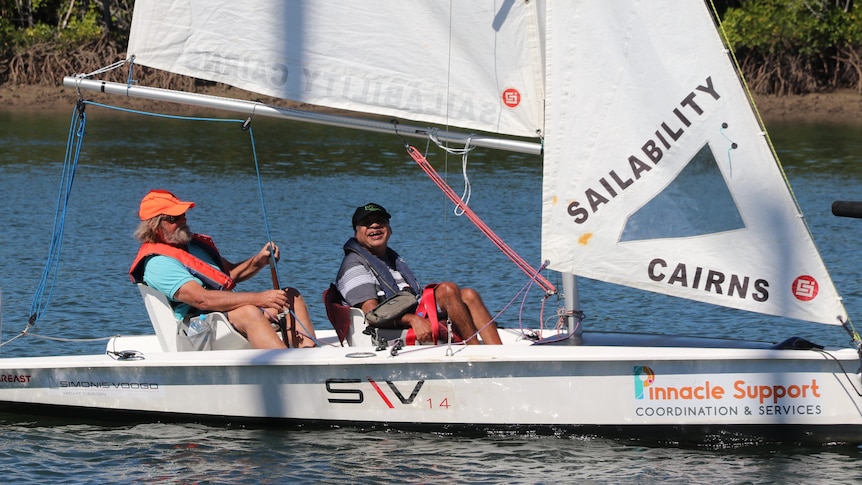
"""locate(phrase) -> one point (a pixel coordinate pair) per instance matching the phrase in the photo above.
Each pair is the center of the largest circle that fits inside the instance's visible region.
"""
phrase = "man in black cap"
(371, 272)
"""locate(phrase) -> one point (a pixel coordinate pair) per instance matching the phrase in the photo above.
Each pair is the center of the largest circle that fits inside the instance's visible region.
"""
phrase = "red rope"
(508, 251)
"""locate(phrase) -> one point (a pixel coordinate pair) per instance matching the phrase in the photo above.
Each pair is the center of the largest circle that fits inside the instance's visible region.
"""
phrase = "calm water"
(313, 177)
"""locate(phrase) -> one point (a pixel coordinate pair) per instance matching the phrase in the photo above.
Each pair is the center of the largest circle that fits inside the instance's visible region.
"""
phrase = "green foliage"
(784, 46)
(795, 46)
(84, 29)
(847, 27)
(37, 34)
(806, 27)
(48, 21)
(7, 30)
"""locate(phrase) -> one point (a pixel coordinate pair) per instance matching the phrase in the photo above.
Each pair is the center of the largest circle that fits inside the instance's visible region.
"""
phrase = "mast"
(573, 308)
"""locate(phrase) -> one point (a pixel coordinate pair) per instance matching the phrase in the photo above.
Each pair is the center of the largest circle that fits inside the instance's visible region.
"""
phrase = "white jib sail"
(657, 175)
(473, 64)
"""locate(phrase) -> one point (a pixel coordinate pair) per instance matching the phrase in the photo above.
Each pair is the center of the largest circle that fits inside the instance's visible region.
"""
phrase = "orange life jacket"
(212, 277)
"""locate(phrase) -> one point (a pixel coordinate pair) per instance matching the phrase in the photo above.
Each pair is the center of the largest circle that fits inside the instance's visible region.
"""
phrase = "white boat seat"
(166, 325)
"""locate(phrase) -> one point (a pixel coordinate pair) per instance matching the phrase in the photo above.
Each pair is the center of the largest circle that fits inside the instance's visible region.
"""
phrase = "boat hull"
(657, 393)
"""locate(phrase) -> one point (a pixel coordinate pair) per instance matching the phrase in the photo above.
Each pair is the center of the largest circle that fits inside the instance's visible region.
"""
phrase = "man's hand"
(272, 299)
(262, 258)
(421, 327)
(250, 267)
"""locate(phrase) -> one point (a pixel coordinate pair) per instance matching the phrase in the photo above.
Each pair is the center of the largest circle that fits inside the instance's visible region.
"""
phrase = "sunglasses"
(370, 221)
(173, 219)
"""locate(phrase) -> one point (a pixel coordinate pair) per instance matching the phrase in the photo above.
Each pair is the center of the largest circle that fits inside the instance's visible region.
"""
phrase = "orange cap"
(158, 202)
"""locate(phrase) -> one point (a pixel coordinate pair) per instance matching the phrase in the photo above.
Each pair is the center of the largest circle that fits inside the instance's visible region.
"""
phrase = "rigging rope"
(464, 152)
(70, 165)
(489, 233)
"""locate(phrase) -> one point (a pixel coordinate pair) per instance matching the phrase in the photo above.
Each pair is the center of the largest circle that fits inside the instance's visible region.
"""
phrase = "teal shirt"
(166, 274)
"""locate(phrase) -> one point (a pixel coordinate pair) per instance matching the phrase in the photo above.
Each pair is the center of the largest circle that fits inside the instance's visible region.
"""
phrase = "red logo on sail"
(511, 97)
(805, 288)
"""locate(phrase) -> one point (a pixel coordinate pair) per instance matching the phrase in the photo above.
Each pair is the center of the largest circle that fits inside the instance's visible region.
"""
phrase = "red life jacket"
(212, 277)
(428, 308)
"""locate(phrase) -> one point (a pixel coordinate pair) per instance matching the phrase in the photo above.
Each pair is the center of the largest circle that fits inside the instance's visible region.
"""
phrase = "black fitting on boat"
(381, 344)
(126, 355)
(797, 343)
(398, 345)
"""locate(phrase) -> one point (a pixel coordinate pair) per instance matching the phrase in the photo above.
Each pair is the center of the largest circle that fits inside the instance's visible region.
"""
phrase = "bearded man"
(191, 272)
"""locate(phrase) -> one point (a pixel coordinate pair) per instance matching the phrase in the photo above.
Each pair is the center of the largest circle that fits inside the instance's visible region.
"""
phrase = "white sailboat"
(657, 175)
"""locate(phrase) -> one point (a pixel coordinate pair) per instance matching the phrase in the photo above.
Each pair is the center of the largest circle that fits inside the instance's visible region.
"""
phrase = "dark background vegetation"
(783, 46)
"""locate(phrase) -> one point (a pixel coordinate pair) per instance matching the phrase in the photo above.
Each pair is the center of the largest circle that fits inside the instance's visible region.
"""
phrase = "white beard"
(180, 237)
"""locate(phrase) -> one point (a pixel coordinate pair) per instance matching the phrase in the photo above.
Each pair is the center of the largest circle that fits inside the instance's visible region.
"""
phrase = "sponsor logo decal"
(391, 395)
(12, 378)
(805, 288)
(511, 97)
(672, 396)
(109, 385)
(644, 377)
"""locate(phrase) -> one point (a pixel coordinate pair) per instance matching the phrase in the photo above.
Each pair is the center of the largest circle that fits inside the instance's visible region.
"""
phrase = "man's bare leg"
(448, 297)
(481, 317)
(256, 326)
(299, 320)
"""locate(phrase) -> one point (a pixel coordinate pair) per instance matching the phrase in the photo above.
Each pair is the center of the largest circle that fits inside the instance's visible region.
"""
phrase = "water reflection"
(184, 453)
(819, 150)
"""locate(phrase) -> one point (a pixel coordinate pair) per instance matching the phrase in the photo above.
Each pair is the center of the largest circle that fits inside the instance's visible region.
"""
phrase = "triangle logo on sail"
(697, 202)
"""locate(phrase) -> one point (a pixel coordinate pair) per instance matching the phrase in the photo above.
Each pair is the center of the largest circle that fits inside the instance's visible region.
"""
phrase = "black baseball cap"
(366, 210)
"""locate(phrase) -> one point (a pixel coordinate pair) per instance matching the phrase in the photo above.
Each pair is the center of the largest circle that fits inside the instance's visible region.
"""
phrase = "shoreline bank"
(839, 107)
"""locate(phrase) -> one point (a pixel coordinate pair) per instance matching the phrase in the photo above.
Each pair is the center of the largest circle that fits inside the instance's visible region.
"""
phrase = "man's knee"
(470, 296)
(447, 290)
(244, 312)
(245, 316)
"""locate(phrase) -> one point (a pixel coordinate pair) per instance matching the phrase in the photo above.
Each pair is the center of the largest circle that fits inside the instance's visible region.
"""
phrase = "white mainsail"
(471, 64)
(657, 175)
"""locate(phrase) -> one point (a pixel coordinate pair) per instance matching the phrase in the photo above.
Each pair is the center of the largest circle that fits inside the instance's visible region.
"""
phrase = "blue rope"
(160, 115)
(247, 126)
(70, 164)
